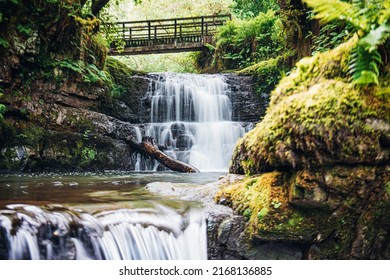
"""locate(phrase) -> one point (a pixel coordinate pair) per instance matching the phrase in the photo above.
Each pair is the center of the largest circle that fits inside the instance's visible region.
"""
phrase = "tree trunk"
(97, 5)
(149, 148)
(298, 27)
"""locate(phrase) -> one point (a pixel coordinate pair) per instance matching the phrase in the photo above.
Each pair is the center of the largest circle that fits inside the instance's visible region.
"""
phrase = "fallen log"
(148, 147)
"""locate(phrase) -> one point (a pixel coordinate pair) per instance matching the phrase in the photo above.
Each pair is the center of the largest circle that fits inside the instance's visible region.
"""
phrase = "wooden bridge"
(165, 35)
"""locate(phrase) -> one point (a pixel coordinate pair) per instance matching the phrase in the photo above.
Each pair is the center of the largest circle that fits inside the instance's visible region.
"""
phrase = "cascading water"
(191, 119)
(31, 232)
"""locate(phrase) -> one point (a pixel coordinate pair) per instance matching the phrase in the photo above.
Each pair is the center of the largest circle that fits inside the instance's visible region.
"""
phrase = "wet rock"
(133, 105)
(177, 129)
(246, 105)
(184, 142)
(277, 251)
(3, 245)
(224, 231)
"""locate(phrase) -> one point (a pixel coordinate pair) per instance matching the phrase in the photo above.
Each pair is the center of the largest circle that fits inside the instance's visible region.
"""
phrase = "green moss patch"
(314, 119)
(264, 202)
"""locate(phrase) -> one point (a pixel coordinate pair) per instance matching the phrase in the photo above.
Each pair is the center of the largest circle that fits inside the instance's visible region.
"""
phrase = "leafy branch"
(371, 19)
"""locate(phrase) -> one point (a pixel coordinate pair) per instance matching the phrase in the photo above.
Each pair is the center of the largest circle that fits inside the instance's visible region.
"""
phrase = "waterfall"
(191, 119)
(32, 232)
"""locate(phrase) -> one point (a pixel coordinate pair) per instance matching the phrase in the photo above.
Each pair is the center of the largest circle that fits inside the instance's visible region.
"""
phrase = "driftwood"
(149, 148)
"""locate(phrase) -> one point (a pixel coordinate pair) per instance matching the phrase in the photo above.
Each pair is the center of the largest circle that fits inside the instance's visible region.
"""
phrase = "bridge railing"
(167, 31)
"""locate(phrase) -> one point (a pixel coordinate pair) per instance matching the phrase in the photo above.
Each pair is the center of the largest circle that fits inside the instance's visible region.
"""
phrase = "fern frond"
(376, 37)
(363, 66)
(329, 10)
(366, 78)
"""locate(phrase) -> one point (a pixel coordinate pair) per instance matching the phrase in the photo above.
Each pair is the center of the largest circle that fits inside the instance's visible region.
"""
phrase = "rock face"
(133, 105)
(246, 105)
(62, 128)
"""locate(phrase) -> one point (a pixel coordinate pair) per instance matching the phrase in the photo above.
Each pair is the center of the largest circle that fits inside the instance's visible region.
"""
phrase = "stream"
(99, 216)
(113, 215)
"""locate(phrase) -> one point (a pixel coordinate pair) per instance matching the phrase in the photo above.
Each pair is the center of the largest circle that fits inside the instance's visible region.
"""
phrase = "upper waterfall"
(191, 118)
(190, 98)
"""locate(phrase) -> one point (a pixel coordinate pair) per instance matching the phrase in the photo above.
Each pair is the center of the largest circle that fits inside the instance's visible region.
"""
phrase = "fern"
(2, 111)
(329, 10)
(71, 65)
(2, 107)
(3, 43)
(363, 66)
(376, 37)
(24, 29)
(371, 18)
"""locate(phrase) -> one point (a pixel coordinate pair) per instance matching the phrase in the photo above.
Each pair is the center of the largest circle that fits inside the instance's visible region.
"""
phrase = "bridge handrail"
(183, 18)
(173, 27)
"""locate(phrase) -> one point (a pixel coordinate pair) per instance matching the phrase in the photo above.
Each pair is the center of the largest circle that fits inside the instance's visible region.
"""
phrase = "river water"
(99, 216)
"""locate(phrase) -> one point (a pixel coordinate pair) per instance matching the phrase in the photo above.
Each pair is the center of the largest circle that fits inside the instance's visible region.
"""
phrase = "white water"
(148, 234)
(191, 118)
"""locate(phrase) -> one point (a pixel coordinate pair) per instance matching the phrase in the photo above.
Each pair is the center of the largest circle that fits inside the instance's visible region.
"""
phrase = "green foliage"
(2, 111)
(331, 35)
(16, 2)
(24, 29)
(89, 72)
(75, 66)
(371, 20)
(250, 8)
(276, 204)
(2, 107)
(88, 154)
(157, 9)
(247, 214)
(4, 43)
(363, 66)
(263, 212)
(242, 43)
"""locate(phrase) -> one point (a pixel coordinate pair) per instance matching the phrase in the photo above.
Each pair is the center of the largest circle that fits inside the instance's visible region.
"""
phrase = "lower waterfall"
(32, 232)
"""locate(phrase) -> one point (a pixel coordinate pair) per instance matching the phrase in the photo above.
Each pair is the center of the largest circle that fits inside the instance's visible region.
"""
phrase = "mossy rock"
(316, 117)
(265, 202)
(339, 212)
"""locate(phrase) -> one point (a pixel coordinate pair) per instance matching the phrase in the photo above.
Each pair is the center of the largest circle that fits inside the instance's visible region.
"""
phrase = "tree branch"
(149, 148)
(97, 6)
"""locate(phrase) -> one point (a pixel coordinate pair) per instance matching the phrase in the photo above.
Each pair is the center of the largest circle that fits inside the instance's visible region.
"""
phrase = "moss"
(119, 74)
(310, 70)
(314, 119)
(354, 220)
(264, 201)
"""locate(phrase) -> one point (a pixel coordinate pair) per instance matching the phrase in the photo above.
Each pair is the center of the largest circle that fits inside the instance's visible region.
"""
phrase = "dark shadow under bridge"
(165, 35)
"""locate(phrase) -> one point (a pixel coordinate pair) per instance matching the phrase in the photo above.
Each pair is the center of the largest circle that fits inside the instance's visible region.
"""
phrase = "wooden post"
(175, 32)
(149, 32)
(202, 28)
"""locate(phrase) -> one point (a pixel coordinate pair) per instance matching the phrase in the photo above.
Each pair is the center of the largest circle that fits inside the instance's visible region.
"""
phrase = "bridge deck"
(167, 35)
